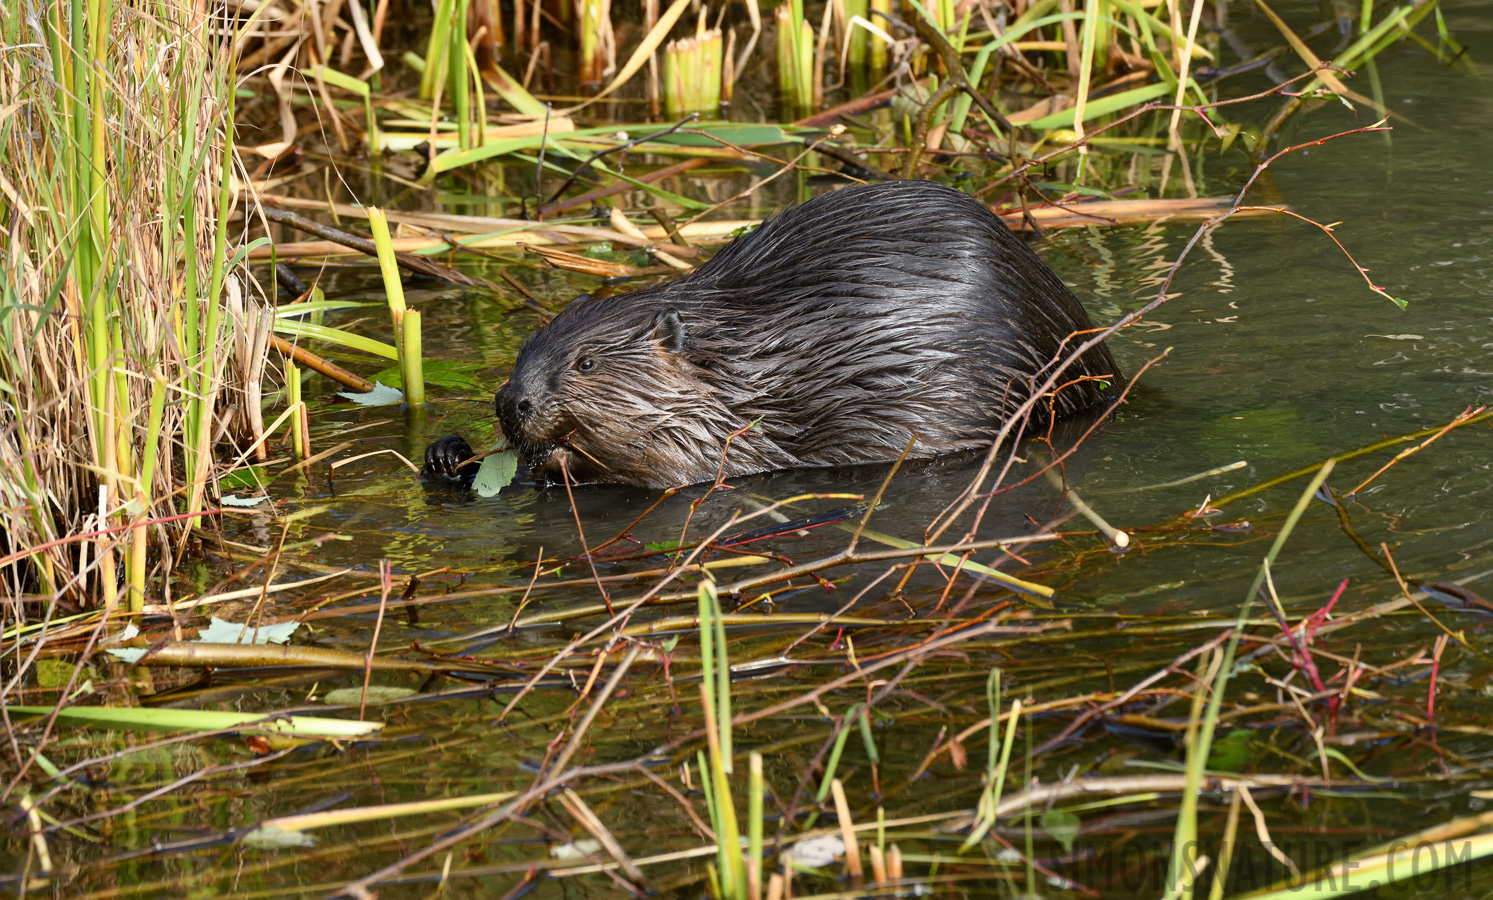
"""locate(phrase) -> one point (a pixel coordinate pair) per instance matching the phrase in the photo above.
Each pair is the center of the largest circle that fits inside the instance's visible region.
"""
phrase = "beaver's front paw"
(443, 461)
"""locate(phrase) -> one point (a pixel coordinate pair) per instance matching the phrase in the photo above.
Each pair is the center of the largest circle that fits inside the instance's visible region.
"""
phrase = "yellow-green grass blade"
(335, 336)
(137, 719)
(1102, 107)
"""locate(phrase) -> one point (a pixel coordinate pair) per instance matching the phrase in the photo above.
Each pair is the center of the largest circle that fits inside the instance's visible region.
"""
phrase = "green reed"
(795, 43)
(407, 341)
(594, 33)
(692, 73)
(114, 366)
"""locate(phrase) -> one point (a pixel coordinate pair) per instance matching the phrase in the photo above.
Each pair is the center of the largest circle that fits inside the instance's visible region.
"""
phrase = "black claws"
(443, 462)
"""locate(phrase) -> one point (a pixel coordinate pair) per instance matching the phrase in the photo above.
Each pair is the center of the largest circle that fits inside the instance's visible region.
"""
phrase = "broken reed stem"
(595, 27)
(412, 367)
(298, 354)
(692, 73)
(299, 439)
(847, 833)
(1117, 538)
(795, 53)
(406, 321)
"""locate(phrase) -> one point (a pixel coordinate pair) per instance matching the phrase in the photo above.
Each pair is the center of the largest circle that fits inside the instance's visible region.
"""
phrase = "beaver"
(829, 336)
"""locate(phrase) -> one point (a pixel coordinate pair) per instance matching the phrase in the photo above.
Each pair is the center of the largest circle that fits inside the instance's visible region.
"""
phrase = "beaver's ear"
(668, 330)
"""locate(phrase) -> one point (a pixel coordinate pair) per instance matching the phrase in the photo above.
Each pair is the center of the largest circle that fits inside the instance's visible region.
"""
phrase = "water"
(1280, 356)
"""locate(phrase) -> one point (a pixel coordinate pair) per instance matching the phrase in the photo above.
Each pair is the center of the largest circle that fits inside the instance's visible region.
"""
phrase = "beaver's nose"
(510, 406)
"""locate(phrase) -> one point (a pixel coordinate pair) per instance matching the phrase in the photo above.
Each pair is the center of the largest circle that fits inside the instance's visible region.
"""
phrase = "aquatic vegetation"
(134, 336)
(693, 70)
(721, 688)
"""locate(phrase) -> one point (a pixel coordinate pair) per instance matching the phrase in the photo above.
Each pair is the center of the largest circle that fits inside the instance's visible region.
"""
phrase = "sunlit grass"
(118, 295)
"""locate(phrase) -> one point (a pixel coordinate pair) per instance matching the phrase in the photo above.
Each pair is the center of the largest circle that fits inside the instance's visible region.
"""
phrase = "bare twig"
(409, 261)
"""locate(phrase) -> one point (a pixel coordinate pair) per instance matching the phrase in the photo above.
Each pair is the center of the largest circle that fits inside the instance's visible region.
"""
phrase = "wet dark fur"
(841, 327)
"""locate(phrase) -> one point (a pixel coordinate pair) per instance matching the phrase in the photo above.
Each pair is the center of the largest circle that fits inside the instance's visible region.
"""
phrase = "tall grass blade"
(1179, 873)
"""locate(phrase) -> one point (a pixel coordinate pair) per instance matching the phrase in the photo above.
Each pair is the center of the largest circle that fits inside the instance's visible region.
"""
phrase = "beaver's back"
(848, 323)
(829, 336)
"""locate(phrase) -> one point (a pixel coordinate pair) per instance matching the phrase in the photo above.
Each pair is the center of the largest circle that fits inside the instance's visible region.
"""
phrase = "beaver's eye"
(586, 364)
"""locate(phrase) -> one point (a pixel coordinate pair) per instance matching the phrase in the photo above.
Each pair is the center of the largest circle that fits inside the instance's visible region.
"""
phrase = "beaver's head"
(591, 391)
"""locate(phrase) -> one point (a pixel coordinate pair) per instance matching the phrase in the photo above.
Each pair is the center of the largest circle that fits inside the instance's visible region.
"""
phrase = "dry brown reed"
(131, 344)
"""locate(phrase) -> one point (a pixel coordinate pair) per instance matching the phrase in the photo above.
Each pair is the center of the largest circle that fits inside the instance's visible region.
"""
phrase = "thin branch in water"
(581, 531)
(584, 166)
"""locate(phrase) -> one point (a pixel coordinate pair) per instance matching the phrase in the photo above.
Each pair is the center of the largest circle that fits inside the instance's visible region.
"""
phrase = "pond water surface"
(1279, 357)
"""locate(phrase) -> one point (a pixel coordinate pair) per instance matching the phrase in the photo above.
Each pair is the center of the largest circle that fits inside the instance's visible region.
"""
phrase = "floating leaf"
(381, 395)
(220, 631)
(576, 849)
(268, 837)
(241, 502)
(817, 852)
(127, 633)
(52, 674)
(376, 694)
(741, 135)
(496, 473)
(243, 477)
(1062, 826)
(1230, 753)
(448, 373)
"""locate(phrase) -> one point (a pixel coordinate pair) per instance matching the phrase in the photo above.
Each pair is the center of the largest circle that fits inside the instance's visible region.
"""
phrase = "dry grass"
(119, 308)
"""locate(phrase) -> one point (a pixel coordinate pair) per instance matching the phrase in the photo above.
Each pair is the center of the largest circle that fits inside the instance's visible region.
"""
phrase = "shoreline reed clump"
(692, 73)
(795, 54)
(596, 41)
(118, 370)
(866, 52)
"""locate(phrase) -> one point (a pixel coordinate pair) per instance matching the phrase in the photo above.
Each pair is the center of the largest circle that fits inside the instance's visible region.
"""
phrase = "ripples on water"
(1280, 356)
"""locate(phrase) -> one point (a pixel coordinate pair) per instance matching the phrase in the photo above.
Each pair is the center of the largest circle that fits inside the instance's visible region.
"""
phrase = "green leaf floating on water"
(234, 500)
(742, 135)
(221, 631)
(268, 837)
(496, 473)
(53, 674)
(1062, 826)
(242, 477)
(448, 373)
(1232, 752)
(381, 395)
(375, 694)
